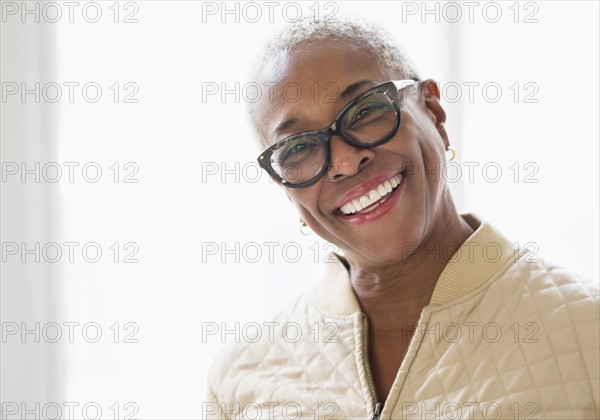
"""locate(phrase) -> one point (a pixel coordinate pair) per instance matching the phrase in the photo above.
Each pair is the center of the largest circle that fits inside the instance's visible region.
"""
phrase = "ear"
(431, 95)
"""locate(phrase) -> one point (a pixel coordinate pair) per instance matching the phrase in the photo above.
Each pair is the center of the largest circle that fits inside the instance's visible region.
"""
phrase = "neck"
(401, 290)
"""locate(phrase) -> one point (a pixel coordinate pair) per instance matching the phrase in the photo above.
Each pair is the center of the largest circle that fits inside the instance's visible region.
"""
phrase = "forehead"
(309, 85)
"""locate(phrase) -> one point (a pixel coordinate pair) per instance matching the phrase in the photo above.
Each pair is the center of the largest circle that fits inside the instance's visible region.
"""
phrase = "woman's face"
(329, 74)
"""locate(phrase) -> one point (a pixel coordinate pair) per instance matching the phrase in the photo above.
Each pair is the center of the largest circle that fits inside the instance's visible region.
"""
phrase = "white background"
(179, 208)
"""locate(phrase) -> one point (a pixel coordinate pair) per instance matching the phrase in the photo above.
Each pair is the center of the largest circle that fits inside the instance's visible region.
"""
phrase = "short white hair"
(360, 32)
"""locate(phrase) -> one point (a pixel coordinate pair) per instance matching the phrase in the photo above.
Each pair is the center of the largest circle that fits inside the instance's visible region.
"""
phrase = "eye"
(296, 151)
(367, 112)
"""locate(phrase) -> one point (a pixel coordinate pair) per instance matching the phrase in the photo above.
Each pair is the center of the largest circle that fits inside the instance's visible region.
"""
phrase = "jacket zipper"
(378, 405)
(367, 365)
(377, 414)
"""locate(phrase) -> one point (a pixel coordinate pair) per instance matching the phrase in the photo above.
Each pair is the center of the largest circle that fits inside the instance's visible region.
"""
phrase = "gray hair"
(360, 32)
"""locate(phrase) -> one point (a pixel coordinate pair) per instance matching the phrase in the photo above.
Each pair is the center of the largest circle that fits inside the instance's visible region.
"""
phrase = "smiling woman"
(428, 310)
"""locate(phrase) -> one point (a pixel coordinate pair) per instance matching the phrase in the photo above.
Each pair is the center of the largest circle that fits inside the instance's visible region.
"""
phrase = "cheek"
(306, 200)
(307, 203)
(427, 145)
(421, 146)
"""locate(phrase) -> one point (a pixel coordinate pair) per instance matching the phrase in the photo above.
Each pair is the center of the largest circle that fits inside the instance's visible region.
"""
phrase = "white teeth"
(388, 186)
(348, 208)
(372, 196)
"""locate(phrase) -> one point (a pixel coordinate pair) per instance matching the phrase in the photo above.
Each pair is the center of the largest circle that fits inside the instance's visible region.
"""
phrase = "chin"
(380, 255)
(391, 244)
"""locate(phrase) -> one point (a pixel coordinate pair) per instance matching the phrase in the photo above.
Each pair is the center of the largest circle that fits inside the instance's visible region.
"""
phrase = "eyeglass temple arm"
(402, 84)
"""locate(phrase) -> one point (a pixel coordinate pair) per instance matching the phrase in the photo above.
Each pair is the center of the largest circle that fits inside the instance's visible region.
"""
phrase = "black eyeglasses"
(368, 121)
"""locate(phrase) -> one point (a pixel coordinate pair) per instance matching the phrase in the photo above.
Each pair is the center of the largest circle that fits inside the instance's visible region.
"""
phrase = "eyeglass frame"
(264, 159)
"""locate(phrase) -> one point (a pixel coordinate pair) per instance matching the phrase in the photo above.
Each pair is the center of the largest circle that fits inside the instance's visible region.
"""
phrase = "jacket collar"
(473, 264)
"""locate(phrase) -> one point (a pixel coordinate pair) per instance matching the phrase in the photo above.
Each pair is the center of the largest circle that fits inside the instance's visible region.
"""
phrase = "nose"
(347, 160)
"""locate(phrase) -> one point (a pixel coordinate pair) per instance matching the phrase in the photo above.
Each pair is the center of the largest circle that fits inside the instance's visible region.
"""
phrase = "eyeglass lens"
(303, 157)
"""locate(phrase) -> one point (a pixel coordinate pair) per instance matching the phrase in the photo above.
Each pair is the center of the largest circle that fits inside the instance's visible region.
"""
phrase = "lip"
(365, 188)
(378, 212)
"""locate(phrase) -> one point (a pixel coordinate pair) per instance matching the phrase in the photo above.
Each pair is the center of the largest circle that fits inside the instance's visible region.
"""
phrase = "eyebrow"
(345, 94)
(353, 88)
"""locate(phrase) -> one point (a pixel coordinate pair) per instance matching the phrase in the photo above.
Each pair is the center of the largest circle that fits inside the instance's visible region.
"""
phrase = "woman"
(428, 313)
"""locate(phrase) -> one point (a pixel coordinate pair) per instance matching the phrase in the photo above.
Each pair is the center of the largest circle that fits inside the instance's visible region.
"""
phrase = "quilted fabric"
(504, 336)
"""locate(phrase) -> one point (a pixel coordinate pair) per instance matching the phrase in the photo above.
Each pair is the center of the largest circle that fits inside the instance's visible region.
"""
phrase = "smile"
(373, 199)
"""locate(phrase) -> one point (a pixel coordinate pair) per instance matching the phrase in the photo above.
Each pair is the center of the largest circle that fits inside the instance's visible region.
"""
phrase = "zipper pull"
(377, 414)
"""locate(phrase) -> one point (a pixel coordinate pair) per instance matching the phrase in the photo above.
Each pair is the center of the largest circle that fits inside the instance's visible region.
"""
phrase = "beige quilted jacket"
(504, 336)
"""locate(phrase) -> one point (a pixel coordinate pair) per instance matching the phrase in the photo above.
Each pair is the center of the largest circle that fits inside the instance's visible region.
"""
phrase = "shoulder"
(552, 287)
(559, 308)
(521, 274)
(259, 352)
(249, 341)
(271, 360)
